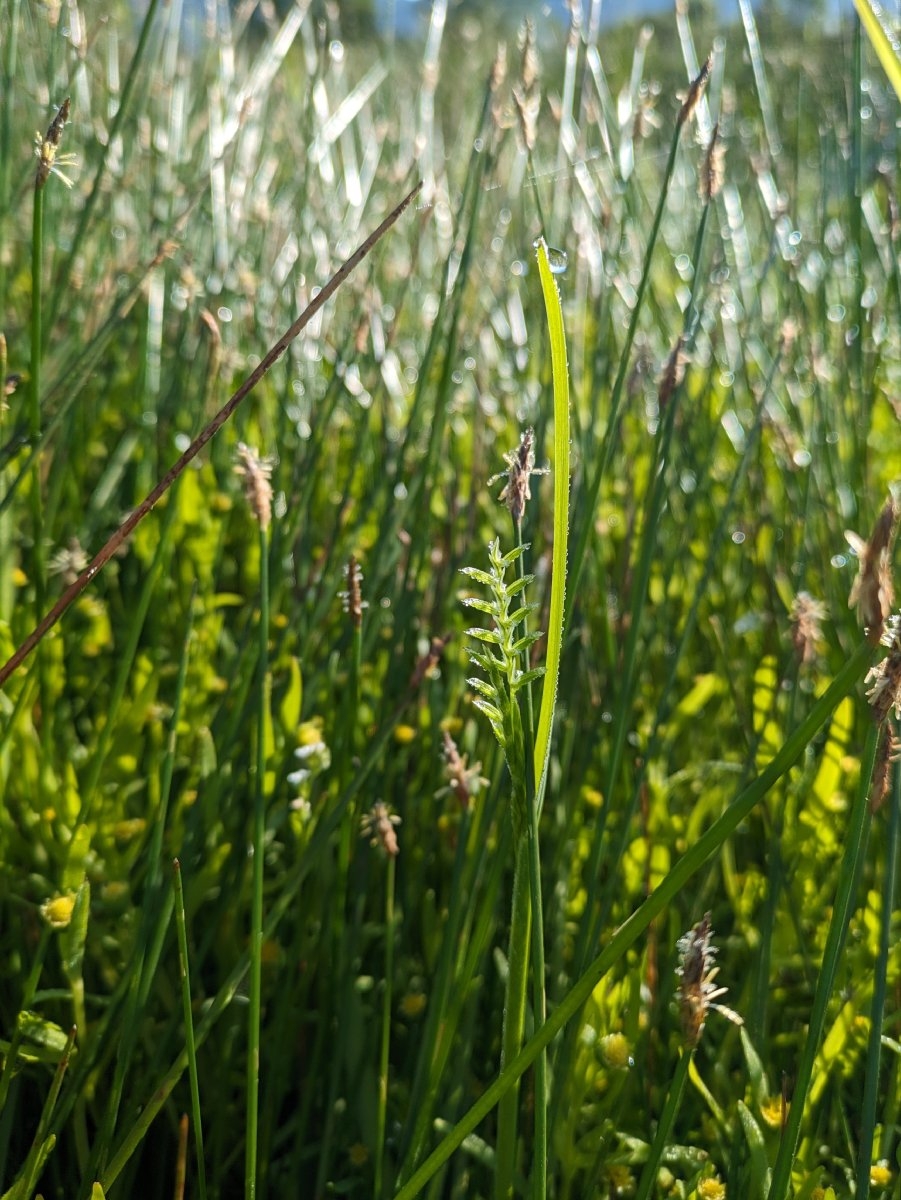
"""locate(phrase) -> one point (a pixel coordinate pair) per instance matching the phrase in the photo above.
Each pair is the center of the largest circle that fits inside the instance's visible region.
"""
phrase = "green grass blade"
(884, 39)
(560, 375)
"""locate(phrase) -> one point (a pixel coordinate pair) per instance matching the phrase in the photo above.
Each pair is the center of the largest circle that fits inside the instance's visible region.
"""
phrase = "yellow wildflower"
(58, 911)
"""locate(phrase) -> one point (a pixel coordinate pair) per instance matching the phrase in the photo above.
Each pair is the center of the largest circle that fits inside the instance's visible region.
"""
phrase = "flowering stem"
(539, 1005)
(514, 1020)
(190, 1046)
(386, 1031)
(34, 430)
(870, 1119)
(256, 911)
(667, 1117)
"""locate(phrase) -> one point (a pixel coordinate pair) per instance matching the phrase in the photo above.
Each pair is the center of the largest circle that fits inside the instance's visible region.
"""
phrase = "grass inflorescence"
(525, 645)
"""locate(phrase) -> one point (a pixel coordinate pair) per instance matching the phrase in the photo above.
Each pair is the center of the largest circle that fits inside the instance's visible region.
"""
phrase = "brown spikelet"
(520, 468)
(498, 67)
(886, 757)
(464, 782)
(47, 148)
(697, 991)
(884, 679)
(713, 171)
(255, 472)
(527, 109)
(807, 616)
(873, 592)
(378, 825)
(429, 660)
(531, 67)
(673, 373)
(352, 599)
(695, 91)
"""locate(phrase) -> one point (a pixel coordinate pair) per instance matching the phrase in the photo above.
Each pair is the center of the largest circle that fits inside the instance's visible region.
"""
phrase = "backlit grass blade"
(560, 375)
(884, 39)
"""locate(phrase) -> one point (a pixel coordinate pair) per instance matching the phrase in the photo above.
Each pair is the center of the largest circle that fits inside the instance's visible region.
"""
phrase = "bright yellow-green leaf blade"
(885, 41)
(560, 373)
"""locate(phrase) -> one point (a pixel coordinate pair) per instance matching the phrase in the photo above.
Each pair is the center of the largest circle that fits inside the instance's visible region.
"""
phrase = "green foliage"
(217, 185)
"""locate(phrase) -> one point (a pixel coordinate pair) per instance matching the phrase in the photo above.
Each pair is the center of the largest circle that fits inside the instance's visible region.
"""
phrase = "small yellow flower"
(358, 1155)
(413, 1004)
(58, 911)
(711, 1189)
(615, 1051)
(771, 1111)
(404, 734)
(880, 1174)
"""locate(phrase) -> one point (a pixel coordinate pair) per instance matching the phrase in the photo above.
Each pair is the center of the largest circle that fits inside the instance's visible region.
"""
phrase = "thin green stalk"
(870, 1116)
(256, 910)
(514, 1022)
(539, 1000)
(387, 997)
(855, 849)
(664, 1128)
(634, 926)
(6, 111)
(190, 1047)
(39, 567)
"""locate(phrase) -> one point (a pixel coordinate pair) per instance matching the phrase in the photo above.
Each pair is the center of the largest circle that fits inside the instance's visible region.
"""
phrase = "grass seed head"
(379, 826)
(713, 169)
(886, 756)
(697, 991)
(873, 592)
(884, 679)
(807, 616)
(256, 472)
(695, 91)
(463, 782)
(520, 467)
(531, 64)
(673, 373)
(47, 150)
(352, 600)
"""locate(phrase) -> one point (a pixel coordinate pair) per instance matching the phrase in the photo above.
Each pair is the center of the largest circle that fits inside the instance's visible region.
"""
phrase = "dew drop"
(556, 259)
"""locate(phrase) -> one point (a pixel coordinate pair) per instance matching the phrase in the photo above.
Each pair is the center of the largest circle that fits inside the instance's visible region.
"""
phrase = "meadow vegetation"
(344, 851)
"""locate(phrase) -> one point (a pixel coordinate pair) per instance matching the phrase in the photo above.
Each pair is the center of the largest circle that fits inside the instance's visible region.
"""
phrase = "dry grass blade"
(134, 519)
